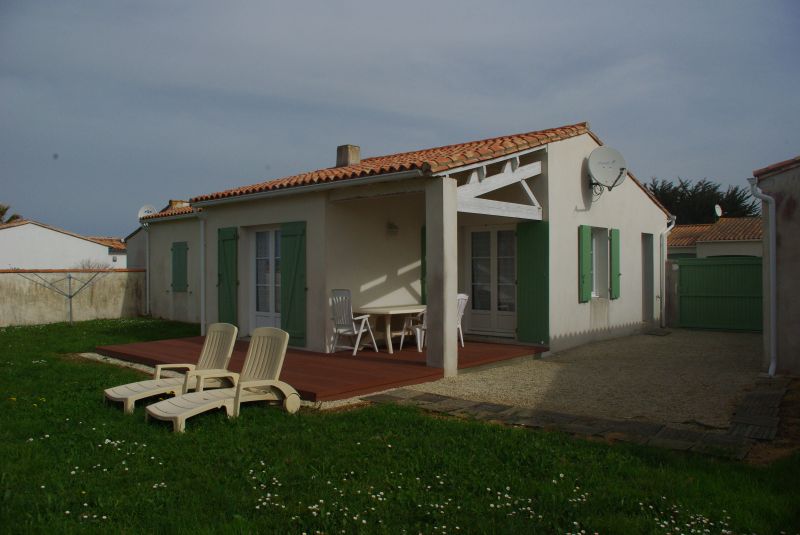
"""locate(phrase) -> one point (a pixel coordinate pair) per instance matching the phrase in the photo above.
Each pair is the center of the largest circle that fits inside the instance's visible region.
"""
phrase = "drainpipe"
(146, 227)
(202, 254)
(773, 275)
(663, 277)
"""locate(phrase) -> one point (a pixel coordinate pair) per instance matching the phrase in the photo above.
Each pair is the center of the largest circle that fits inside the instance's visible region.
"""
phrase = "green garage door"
(720, 293)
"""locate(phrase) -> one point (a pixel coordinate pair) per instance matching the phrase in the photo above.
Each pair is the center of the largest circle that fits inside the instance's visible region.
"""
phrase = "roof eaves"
(776, 168)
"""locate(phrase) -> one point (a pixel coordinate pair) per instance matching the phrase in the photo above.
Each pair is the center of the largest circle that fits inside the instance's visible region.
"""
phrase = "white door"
(492, 274)
(267, 279)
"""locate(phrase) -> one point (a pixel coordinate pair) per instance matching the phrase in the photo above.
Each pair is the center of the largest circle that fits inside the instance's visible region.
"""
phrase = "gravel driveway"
(687, 377)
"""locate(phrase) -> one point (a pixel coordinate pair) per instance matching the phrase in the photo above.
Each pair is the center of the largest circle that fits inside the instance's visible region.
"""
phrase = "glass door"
(492, 276)
(268, 279)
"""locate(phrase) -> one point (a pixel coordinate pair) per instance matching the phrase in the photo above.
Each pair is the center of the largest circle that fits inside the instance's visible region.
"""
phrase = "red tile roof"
(775, 168)
(725, 229)
(734, 229)
(169, 212)
(435, 160)
(108, 241)
(113, 243)
(686, 235)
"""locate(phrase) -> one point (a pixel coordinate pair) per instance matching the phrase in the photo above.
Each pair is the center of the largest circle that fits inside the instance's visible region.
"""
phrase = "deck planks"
(328, 377)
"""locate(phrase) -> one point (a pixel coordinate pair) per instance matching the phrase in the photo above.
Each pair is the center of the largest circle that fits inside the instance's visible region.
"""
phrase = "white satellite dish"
(607, 167)
(718, 210)
(147, 209)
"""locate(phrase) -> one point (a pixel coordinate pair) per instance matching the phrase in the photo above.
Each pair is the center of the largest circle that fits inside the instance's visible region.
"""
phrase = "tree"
(13, 217)
(694, 203)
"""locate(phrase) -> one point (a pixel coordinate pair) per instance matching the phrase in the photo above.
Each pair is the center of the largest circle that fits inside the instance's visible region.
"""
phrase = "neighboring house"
(27, 244)
(781, 181)
(512, 221)
(729, 236)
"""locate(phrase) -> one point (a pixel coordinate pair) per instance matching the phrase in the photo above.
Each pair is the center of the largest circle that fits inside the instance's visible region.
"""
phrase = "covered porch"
(329, 377)
(476, 230)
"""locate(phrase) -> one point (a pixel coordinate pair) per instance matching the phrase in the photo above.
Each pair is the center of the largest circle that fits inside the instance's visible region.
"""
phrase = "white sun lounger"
(213, 362)
(257, 382)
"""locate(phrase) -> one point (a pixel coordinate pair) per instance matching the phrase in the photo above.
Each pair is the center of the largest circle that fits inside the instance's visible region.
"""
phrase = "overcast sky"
(106, 106)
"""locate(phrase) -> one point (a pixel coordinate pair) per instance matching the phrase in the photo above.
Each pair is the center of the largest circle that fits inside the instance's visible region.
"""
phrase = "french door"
(267, 279)
(492, 274)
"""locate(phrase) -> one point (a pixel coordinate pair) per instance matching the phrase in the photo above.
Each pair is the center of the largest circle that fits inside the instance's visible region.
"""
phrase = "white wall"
(729, 248)
(164, 303)
(379, 267)
(570, 204)
(135, 249)
(30, 246)
(250, 216)
(117, 294)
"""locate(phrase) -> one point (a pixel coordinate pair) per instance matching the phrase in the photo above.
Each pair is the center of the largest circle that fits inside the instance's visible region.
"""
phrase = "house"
(514, 222)
(728, 236)
(28, 244)
(780, 183)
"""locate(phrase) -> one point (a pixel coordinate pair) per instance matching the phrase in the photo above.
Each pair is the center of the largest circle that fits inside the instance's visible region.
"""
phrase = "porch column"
(441, 235)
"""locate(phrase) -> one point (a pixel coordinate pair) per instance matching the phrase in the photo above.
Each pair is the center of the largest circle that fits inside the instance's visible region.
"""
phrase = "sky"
(108, 106)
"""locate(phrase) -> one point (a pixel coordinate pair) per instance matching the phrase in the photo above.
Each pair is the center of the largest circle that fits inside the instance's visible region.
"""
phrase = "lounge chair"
(257, 382)
(213, 361)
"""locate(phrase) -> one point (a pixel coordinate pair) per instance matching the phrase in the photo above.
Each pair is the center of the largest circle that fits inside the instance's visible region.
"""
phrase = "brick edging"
(755, 418)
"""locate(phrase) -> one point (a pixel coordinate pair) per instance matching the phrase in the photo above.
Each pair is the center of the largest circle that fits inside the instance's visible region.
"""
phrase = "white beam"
(501, 180)
(499, 208)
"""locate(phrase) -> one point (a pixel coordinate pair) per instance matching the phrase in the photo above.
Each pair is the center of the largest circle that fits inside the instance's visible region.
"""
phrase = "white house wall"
(785, 188)
(30, 246)
(570, 204)
(255, 215)
(164, 303)
(135, 250)
(380, 267)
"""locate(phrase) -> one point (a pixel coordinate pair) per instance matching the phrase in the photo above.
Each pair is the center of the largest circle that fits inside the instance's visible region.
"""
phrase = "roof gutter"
(296, 190)
(773, 274)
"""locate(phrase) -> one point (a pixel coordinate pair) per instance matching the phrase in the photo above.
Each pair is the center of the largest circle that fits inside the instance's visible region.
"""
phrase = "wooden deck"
(324, 377)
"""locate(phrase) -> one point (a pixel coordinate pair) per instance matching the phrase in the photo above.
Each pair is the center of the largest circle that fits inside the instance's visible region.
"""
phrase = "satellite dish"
(147, 209)
(718, 210)
(607, 167)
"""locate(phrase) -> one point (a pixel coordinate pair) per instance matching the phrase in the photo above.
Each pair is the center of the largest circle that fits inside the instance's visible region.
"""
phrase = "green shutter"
(423, 267)
(584, 263)
(533, 284)
(614, 267)
(227, 274)
(180, 279)
(293, 282)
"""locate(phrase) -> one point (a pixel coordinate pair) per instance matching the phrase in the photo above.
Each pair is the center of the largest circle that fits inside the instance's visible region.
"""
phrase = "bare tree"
(88, 263)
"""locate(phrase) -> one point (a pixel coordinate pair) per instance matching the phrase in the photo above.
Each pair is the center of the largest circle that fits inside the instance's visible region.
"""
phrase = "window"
(180, 279)
(599, 263)
(268, 272)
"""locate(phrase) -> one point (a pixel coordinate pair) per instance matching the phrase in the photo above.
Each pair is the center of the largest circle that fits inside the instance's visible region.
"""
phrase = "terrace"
(329, 377)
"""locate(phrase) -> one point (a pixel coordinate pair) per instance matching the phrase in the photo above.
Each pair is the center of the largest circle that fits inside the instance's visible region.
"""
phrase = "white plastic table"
(387, 313)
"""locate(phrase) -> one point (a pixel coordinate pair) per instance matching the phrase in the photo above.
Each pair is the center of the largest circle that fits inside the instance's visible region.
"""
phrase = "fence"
(715, 293)
(31, 297)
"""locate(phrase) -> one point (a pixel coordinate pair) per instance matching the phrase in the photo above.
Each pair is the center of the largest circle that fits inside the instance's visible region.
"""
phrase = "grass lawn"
(70, 462)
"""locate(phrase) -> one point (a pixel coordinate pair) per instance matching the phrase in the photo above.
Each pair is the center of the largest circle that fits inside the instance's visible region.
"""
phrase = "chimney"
(347, 155)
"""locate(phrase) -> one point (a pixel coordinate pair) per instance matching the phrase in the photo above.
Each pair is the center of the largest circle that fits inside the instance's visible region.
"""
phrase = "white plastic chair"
(418, 324)
(345, 324)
